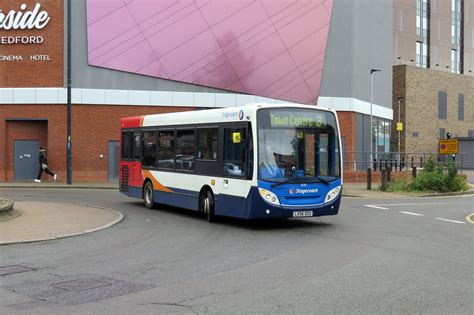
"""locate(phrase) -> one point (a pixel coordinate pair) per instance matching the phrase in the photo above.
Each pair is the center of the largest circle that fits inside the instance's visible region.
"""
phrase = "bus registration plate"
(302, 213)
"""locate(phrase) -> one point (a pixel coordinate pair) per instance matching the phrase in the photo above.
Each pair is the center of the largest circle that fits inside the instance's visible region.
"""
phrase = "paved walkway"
(45, 221)
(50, 184)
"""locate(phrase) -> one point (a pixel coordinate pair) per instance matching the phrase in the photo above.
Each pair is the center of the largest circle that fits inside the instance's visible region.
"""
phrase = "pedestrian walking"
(43, 165)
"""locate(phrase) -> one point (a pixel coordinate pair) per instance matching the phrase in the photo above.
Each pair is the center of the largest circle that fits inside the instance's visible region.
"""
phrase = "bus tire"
(207, 205)
(148, 195)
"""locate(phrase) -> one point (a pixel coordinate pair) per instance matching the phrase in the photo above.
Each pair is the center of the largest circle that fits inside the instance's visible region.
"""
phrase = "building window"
(456, 22)
(455, 61)
(414, 134)
(461, 107)
(422, 30)
(442, 105)
(422, 25)
(470, 133)
(421, 55)
(442, 133)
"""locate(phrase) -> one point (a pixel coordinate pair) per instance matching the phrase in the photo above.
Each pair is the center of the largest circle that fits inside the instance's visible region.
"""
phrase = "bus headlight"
(332, 194)
(269, 197)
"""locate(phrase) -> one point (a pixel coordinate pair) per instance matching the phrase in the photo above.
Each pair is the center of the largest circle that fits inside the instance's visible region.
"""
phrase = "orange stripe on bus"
(156, 184)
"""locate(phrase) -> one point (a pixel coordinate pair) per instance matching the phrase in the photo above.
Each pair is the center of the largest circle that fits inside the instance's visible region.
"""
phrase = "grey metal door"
(26, 160)
(113, 160)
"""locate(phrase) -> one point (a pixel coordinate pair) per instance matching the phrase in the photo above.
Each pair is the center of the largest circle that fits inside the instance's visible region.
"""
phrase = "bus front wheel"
(148, 195)
(207, 205)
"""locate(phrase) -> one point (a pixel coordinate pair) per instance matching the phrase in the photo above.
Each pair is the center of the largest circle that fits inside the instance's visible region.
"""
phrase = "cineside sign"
(23, 19)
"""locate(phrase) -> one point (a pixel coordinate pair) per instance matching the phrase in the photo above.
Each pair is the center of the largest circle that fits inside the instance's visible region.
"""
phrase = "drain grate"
(8, 270)
(80, 284)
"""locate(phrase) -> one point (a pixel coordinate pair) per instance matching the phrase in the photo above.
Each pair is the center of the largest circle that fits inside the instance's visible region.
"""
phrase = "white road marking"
(413, 213)
(448, 220)
(376, 207)
(416, 204)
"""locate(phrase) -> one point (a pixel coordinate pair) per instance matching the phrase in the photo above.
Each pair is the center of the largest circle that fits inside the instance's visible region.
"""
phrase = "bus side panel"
(178, 198)
(230, 206)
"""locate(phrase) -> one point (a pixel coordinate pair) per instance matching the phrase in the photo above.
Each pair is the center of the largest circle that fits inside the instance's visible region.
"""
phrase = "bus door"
(235, 166)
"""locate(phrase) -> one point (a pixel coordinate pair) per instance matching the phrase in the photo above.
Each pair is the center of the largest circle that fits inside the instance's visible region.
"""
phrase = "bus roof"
(218, 115)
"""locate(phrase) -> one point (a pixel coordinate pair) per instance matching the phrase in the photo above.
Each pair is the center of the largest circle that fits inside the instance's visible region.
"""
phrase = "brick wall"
(28, 73)
(93, 127)
(347, 124)
(419, 88)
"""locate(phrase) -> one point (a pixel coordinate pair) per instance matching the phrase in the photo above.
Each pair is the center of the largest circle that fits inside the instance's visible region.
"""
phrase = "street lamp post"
(399, 132)
(69, 99)
(372, 71)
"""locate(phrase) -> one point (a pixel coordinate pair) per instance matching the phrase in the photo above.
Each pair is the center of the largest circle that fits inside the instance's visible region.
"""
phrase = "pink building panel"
(271, 48)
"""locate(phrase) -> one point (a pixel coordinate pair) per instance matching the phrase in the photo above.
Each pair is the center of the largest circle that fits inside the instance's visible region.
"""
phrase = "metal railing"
(362, 160)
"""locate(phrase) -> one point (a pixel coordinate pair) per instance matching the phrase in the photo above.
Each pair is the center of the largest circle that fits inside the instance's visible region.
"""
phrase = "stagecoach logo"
(302, 191)
(234, 115)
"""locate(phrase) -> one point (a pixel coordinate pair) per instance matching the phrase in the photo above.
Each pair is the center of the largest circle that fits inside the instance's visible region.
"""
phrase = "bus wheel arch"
(207, 203)
(148, 194)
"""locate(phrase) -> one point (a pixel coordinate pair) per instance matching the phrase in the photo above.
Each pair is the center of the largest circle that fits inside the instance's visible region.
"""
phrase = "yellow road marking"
(470, 218)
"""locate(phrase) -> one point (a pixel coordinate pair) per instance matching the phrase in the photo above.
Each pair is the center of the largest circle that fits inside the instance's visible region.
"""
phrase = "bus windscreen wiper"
(282, 182)
(322, 180)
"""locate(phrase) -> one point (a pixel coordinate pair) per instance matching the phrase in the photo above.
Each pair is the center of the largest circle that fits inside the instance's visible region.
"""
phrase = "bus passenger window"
(185, 150)
(126, 145)
(234, 152)
(136, 147)
(207, 144)
(149, 149)
(166, 149)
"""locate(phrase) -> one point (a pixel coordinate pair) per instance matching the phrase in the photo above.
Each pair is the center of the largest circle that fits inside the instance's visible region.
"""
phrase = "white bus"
(255, 161)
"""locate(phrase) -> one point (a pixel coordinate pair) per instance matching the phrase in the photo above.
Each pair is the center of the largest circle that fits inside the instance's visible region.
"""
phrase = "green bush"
(398, 185)
(435, 177)
(429, 181)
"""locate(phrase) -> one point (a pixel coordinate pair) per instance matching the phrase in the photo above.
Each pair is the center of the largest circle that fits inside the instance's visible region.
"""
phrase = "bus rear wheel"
(148, 195)
(207, 205)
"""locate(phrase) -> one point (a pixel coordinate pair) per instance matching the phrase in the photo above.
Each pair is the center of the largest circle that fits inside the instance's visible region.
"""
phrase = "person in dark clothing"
(43, 165)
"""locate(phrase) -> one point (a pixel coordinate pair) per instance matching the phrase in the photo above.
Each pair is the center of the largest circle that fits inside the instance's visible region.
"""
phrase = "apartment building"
(433, 74)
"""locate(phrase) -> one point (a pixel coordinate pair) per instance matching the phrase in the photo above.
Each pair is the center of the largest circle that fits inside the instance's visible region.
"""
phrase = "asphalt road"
(375, 257)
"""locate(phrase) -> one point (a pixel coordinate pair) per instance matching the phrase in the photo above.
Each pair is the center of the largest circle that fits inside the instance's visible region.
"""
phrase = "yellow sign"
(236, 137)
(448, 146)
(399, 126)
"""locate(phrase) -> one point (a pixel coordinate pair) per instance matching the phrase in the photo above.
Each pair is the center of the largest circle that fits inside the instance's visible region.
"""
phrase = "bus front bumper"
(259, 209)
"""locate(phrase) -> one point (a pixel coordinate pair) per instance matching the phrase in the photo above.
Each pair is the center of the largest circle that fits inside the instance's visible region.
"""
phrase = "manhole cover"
(76, 289)
(80, 284)
(8, 270)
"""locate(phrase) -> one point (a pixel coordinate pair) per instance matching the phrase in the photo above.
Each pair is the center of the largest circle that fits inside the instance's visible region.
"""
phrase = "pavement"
(39, 221)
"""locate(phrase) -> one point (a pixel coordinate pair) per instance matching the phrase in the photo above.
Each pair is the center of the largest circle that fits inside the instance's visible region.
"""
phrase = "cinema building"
(142, 57)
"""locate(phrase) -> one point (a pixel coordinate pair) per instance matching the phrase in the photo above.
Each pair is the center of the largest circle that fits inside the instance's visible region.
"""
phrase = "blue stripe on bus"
(252, 207)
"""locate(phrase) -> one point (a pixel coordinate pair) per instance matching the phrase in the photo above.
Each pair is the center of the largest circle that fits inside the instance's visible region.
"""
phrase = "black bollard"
(384, 180)
(369, 178)
(413, 172)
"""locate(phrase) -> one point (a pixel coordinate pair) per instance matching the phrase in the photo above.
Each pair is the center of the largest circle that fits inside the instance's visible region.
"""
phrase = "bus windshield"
(297, 145)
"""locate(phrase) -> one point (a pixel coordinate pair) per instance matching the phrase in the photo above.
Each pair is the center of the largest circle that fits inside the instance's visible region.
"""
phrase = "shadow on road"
(255, 225)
